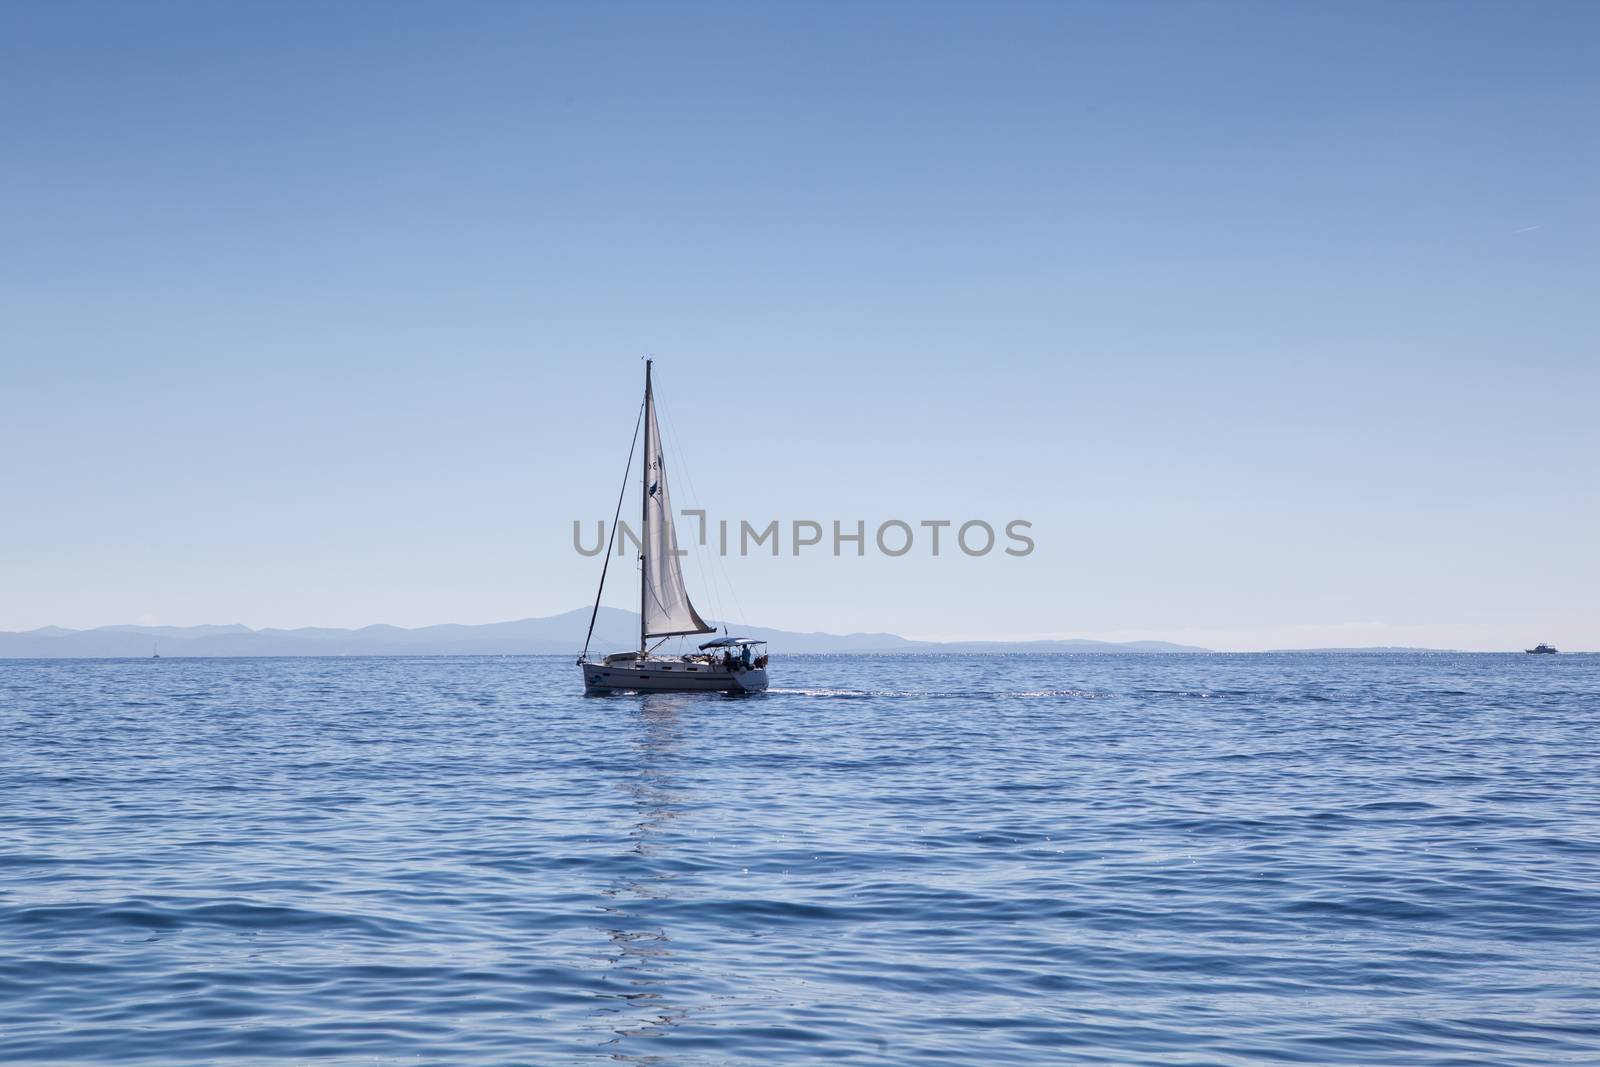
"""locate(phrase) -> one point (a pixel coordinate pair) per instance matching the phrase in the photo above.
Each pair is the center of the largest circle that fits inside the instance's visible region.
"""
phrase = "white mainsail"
(665, 602)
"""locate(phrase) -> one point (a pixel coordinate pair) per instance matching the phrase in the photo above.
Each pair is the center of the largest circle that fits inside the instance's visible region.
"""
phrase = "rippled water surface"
(1098, 859)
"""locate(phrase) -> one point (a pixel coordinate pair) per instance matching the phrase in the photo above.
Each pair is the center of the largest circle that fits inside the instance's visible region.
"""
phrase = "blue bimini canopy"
(724, 642)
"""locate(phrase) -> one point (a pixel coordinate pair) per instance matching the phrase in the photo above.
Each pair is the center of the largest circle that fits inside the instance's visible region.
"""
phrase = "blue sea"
(1116, 859)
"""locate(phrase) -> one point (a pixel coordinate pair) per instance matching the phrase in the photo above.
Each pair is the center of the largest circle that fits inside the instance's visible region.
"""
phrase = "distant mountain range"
(556, 634)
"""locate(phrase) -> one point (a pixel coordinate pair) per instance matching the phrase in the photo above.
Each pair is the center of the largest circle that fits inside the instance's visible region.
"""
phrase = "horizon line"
(1119, 638)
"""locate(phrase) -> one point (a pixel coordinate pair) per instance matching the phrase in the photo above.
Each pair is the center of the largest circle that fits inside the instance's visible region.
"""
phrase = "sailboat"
(724, 664)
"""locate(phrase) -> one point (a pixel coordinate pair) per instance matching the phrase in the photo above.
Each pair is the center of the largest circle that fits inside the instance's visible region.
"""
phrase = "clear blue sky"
(1278, 321)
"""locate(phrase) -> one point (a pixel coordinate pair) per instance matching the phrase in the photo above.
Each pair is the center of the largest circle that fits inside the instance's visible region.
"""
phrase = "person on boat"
(727, 660)
(744, 656)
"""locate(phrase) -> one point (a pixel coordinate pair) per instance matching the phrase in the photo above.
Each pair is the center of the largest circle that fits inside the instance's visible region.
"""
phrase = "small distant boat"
(1541, 649)
(155, 650)
(724, 665)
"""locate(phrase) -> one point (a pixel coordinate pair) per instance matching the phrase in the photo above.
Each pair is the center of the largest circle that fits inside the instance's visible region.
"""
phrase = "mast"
(644, 505)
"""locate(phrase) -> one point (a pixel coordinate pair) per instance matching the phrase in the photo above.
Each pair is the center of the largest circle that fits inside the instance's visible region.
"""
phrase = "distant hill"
(553, 635)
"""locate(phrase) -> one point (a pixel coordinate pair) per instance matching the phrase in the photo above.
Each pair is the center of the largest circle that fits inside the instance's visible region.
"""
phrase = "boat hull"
(669, 676)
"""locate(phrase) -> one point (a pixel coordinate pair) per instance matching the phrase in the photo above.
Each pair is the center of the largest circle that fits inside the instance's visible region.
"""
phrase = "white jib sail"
(667, 611)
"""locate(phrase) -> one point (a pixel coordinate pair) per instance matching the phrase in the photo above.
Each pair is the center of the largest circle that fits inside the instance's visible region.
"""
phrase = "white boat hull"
(670, 675)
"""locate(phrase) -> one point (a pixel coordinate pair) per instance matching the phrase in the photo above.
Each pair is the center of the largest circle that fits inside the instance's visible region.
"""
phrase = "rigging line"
(632, 447)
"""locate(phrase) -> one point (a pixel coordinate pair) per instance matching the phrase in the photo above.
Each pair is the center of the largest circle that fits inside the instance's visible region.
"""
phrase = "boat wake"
(926, 694)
